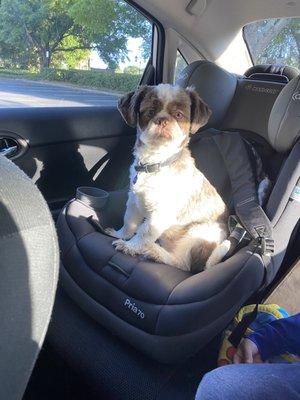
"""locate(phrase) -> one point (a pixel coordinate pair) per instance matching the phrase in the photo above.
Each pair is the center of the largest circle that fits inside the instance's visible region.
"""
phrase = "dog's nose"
(161, 121)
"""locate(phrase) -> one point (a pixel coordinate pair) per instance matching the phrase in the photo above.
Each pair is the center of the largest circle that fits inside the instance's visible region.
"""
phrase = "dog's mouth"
(163, 133)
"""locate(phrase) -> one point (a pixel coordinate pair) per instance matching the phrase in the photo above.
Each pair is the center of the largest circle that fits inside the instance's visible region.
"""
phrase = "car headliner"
(212, 31)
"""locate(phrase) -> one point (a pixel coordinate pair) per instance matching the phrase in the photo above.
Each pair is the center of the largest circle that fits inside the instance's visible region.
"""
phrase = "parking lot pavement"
(23, 93)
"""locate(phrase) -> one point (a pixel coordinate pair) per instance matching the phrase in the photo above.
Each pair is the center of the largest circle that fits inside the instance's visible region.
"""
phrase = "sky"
(134, 56)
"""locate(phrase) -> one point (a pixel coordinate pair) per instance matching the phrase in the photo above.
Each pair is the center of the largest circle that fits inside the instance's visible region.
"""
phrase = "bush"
(120, 82)
(94, 79)
(20, 73)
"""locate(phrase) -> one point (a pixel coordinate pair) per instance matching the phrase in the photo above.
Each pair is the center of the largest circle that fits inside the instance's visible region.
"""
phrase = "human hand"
(247, 352)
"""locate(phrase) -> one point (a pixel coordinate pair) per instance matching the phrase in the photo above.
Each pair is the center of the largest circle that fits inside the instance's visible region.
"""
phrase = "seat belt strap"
(244, 188)
(239, 331)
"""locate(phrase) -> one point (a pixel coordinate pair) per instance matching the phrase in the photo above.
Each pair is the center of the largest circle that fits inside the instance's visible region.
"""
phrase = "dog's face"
(164, 113)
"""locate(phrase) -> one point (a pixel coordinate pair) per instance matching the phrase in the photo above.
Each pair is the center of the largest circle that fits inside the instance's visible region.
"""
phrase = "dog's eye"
(150, 113)
(178, 115)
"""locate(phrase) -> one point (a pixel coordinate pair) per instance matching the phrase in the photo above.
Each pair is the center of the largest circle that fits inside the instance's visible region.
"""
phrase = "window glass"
(179, 65)
(274, 41)
(98, 44)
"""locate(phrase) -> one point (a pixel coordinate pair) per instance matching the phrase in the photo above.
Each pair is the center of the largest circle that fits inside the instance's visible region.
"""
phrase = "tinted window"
(274, 41)
(98, 44)
(179, 65)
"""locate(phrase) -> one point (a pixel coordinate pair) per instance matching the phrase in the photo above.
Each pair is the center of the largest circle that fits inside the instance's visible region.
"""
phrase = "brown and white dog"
(173, 215)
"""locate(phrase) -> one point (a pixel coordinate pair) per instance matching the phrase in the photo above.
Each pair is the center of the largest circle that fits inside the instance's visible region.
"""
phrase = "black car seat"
(29, 269)
(165, 312)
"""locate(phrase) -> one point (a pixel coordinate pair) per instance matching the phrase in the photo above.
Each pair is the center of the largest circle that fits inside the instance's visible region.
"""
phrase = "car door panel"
(71, 147)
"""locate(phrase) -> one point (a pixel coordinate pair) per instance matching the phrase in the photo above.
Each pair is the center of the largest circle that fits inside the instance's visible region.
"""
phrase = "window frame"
(158, 48)
(247, 45)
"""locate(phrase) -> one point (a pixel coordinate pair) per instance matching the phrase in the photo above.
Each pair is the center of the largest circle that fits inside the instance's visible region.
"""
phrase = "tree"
(108, 24)
(275, 41)
(35, 26)
(41, 30)
(70, 59)
(132, 69)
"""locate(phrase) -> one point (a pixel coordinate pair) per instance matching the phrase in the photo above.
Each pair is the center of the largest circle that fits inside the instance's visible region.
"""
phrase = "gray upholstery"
(237, 103)
(284, 122)
(215, 85)
(273, 69)
(28, 271)
(251, 106)
(181, 311)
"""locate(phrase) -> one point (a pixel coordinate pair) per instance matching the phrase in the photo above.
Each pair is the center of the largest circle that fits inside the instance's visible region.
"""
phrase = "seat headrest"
(214, 85)
(284, 121)
(268, 70)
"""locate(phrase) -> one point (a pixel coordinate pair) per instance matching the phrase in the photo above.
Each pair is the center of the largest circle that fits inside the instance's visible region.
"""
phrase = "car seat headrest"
(277, 73)
(215, 85)
(284, 121)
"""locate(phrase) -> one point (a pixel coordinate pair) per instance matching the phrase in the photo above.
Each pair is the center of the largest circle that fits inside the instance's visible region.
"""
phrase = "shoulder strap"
(244, 189)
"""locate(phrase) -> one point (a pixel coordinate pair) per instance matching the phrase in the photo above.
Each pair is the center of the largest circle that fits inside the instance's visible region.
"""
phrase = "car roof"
(211, 25)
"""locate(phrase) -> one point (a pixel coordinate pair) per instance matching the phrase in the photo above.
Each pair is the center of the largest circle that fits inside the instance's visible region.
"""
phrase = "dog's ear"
(129, 105)
(200, 112)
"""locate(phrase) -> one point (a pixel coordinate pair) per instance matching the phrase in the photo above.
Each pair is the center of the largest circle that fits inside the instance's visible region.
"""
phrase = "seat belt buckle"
(267, 246)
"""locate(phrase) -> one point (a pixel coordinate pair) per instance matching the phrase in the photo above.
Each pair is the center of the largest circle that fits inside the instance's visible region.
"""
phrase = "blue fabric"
(264, 317)
(278, 337)
(251, 382)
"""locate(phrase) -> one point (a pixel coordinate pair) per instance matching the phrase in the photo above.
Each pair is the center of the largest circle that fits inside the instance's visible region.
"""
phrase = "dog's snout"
(161, 121)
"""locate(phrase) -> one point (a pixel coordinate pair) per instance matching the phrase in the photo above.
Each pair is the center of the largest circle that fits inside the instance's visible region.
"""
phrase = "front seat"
(29, 271)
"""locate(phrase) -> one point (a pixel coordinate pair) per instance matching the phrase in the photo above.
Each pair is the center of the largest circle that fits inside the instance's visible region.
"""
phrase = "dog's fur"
(173, 216)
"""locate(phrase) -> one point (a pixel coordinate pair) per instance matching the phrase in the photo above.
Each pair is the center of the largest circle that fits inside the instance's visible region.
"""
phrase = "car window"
(274, 41)
(60, 46)
(180, 64)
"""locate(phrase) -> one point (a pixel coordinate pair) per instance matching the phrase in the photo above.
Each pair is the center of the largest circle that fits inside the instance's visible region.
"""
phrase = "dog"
(173, 214)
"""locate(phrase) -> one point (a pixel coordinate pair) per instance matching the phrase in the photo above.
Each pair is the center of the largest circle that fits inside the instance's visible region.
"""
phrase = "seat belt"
(251, 222)
(250, 214)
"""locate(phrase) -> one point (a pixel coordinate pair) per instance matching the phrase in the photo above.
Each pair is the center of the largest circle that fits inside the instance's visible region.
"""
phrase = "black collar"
(150, 168)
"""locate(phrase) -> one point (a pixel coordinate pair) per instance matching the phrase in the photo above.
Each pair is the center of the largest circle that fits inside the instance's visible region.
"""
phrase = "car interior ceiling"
(92, 146)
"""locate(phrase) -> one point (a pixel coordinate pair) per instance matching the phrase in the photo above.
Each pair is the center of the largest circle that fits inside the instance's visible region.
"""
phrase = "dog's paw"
(218, 254)
(151, 253)
(126, 247)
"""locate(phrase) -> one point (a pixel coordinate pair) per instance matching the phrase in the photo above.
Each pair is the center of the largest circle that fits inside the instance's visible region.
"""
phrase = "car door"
(64, 136)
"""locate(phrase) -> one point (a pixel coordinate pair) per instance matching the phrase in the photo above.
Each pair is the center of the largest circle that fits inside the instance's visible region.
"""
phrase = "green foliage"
(285, 46)
(35, 27)
(39, 32)
(275, 41)
(120, 82)
(70, 59)
(132, 69)
(94, 79)
(108, 24)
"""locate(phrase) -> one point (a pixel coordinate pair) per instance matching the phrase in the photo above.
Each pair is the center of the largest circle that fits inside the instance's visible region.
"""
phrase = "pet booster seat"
(165, 312)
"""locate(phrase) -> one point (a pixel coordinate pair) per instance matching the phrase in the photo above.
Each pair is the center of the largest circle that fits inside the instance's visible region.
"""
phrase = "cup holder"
(92, 197)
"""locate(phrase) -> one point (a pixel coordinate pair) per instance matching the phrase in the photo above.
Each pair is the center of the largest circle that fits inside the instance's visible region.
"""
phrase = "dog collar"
(150, 168)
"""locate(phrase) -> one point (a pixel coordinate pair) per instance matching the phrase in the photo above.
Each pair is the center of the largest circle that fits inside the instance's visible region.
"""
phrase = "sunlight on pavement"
(15, 93)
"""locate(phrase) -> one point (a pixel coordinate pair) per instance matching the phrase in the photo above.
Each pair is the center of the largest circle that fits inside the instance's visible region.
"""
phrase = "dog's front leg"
(147, 234)
(132, 219)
